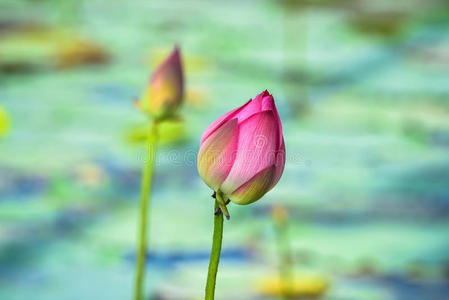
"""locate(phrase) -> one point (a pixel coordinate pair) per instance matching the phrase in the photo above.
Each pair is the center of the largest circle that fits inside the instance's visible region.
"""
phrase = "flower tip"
(266, 93)
(279, 214)
(176, 53)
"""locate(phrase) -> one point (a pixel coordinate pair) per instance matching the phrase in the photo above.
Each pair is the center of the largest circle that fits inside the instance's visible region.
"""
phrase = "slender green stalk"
(215, 254)
(144, 211)
(285, 260)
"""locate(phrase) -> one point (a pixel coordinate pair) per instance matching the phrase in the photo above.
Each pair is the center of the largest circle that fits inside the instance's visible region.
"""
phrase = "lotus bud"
(279, 214)
(165, 92)
(242, 153)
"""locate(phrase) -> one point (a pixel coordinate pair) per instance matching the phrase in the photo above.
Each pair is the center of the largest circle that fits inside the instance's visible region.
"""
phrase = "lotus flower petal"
(217, 123)
(279, 163)
(217, 154)
(257, 143)
(254, 188)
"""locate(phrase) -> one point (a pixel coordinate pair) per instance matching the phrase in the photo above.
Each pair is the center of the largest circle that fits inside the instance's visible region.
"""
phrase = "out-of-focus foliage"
(4, 122)
(29, 48)
(306, 286)
(169, 132)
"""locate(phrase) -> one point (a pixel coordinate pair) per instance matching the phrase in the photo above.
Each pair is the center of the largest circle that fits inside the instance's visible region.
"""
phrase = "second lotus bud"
(165, 91)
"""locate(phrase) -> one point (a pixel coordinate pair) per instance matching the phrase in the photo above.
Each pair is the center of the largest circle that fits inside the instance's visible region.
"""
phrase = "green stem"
(214, 255)
(285, 260)
(144, 211)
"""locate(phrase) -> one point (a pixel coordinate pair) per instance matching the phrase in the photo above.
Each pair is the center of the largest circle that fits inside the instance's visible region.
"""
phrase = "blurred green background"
(362, 88)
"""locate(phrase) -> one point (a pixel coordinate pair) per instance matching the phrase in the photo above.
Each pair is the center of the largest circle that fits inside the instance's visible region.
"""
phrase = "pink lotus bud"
(165, 91)
(242, 153)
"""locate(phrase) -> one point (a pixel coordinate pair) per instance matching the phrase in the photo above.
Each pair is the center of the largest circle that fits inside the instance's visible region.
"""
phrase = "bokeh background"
(362, 88)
